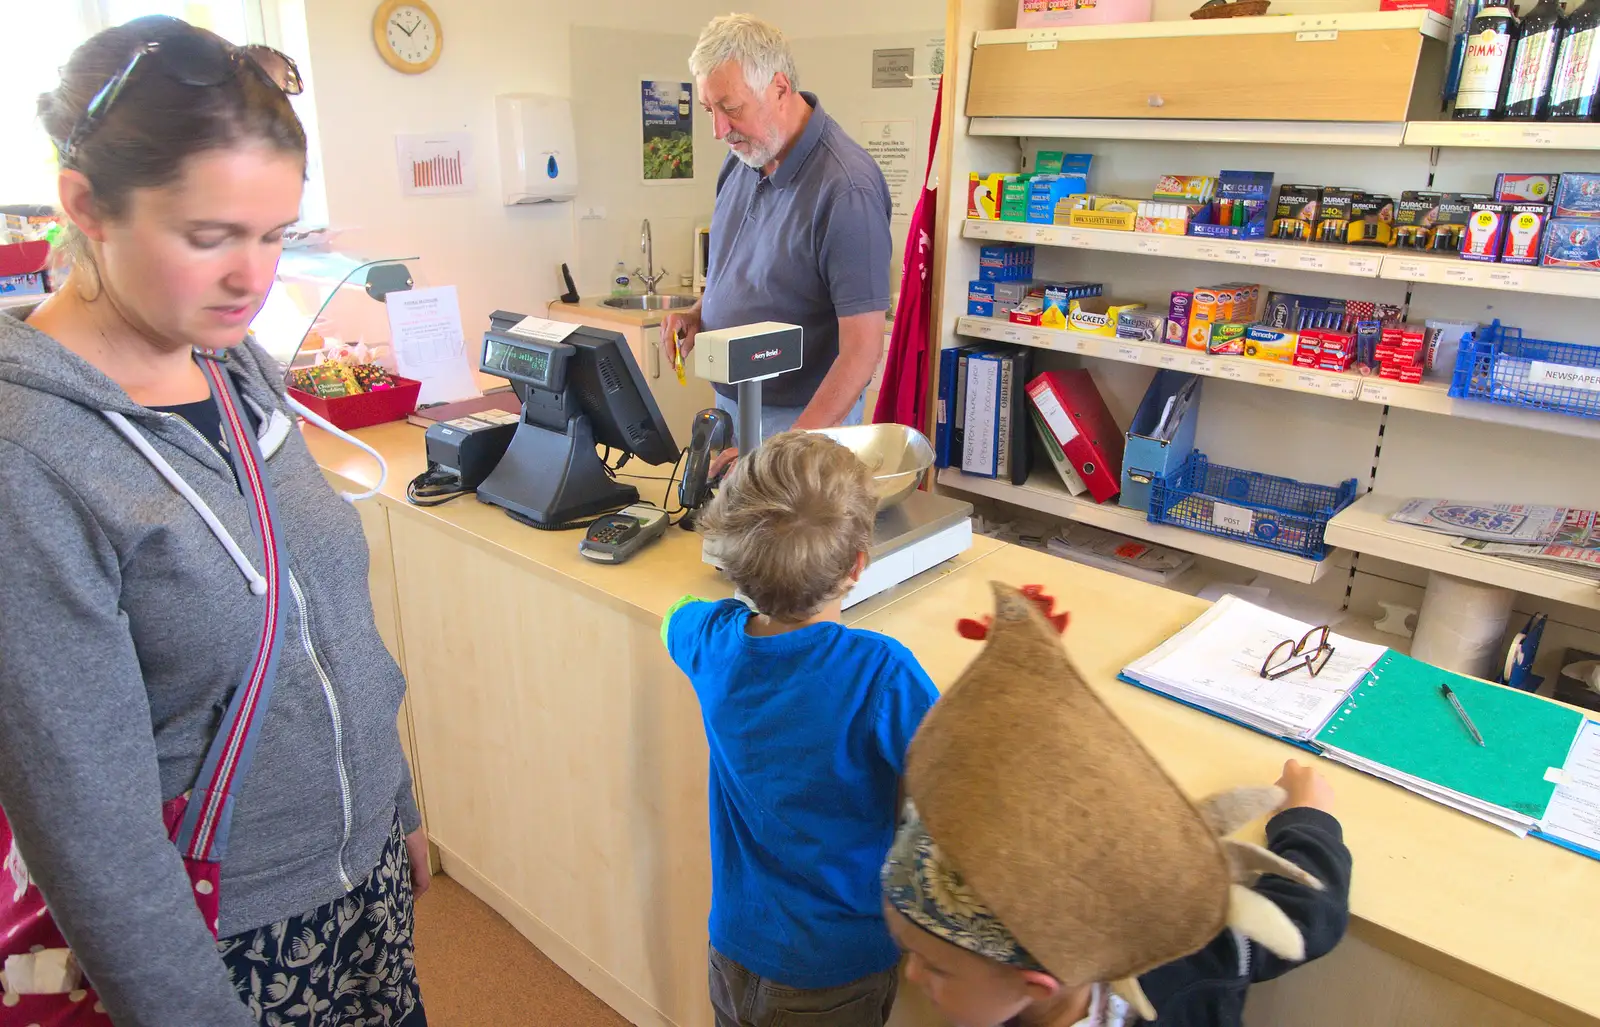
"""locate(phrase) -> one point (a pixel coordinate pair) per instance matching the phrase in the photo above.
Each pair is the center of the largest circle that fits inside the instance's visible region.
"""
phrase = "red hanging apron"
(197, 821)
(903, 391)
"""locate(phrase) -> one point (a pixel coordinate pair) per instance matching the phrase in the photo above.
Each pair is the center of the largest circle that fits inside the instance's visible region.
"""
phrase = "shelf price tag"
(1167, 359)
(1308, 382)
(1363, 266)
(1465, 274)
(1311, 261)
(1016, 233)
(1411, 270)
(1128, 353)
(1505, 278)
(1205, 251)
(1200, 364)
(1269, 376)
(1147, 244)
(1264, 257)
(1079, 240)
(1344, 388)
(1233, 518)
(1234, 371)
(1372, 392)
(1011, 334)
(1538, 137)
(1237, 254)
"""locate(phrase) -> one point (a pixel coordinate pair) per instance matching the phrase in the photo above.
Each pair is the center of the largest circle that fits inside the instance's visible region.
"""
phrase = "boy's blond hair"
(790, 521)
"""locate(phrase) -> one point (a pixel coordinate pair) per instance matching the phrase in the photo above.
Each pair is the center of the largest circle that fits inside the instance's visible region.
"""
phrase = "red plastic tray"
(368, 408)
(24, 258)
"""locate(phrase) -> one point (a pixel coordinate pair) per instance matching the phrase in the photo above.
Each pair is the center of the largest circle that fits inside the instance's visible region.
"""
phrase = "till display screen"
(527, 364)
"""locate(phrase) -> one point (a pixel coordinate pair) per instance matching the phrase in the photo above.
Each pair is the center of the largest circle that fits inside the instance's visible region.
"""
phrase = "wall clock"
(408, 35)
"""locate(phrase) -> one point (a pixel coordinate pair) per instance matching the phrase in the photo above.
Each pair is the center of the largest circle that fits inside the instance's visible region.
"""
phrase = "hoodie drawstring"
(333, 429)
(258, 584)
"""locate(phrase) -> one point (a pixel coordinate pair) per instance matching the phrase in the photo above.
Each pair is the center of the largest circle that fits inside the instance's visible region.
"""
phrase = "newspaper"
(1508, 523)
(1582, 560)
(1530, 534)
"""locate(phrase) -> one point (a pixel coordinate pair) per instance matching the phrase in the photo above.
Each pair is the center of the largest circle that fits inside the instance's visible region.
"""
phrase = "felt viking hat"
(1040, 818)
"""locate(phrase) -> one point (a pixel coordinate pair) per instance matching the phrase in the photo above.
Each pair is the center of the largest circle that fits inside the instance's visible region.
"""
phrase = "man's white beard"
(759, 157)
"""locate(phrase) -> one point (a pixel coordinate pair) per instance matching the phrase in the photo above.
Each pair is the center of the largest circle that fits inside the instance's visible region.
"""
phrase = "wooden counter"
(562, 762)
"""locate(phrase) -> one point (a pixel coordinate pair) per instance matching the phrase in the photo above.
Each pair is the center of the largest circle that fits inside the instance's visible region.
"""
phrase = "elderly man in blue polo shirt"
(799, 230)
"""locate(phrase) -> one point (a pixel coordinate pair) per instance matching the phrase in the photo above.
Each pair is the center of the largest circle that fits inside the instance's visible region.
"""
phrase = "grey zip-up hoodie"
(126, 621)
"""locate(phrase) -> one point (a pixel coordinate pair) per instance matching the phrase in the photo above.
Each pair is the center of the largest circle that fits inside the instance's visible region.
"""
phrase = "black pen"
(1449, 694)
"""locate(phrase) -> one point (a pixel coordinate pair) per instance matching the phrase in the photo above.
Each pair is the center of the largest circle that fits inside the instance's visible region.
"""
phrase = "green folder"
(1398, 718)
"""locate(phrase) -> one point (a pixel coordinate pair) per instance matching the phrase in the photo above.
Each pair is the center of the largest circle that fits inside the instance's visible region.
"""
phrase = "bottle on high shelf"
(1575, 91)
(1485, 71)
(1466, 10)
(1533, 62)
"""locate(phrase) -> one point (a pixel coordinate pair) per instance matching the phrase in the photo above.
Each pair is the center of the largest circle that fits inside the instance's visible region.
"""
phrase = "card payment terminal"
(614, 538)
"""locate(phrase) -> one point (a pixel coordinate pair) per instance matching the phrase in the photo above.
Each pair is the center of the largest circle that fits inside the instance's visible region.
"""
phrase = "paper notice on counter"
(1574, 812)
(425, 325)
(889, 143)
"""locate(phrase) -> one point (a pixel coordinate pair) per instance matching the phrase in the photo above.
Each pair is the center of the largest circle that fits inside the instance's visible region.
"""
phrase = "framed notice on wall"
(666, 110)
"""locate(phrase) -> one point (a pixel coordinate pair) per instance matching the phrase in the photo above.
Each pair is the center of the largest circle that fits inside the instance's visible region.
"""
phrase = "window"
(56, 27)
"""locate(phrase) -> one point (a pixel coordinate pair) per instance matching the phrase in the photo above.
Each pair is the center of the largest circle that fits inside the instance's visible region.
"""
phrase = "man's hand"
(417, 850)
(685, 321)
(1306, 787)
(721, 462)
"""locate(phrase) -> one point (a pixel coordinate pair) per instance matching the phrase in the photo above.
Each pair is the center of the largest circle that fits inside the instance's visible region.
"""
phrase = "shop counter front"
(562, 768)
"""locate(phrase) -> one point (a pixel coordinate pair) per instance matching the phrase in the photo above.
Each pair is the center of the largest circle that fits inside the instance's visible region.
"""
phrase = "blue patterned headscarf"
(926, 889)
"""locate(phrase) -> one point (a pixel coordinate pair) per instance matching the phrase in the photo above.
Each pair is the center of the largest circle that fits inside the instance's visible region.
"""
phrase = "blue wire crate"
(1246, 506)
(1501, 365)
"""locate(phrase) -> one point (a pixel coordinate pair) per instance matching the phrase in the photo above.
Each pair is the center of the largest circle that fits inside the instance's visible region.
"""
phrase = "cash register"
(580, 388)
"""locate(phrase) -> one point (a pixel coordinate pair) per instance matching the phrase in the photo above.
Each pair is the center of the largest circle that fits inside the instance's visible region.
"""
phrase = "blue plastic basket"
(1500, 365)
(1246, 506)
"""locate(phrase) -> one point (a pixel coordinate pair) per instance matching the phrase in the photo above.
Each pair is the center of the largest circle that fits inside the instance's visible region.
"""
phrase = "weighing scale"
(915, 534)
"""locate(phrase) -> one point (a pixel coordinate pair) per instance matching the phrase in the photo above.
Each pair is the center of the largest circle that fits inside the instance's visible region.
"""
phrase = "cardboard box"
(1142, 326)
(1178, 310)
(1226, 338)
(1524, 232)
(1113, 221)
(1486, 231)
(1572, 242)
(1578, 195)
(1097, 315)
(1263, 343)
(983, 195)
(1522, 188)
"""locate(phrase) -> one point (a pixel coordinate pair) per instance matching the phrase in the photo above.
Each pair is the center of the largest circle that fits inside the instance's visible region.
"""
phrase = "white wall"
(502, 257)
(496, 256)
(608, 66)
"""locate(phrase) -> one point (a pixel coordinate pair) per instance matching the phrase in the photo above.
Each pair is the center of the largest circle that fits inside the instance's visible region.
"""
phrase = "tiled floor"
(477, 971)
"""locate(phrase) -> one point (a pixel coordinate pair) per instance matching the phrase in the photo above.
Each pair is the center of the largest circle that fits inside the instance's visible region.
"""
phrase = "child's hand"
(1306, 787)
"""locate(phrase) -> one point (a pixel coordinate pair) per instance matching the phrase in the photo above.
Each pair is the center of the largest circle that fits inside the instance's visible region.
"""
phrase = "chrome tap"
(649, 276)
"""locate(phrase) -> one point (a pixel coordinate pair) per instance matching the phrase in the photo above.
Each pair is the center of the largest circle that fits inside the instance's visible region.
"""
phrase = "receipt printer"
(470, 447)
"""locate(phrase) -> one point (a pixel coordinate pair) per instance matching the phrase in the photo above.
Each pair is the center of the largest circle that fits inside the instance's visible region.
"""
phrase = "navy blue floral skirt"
(348, 964)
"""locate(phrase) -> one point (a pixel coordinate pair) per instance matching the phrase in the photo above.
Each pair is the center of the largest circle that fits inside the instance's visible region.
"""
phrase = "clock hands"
(407, 31)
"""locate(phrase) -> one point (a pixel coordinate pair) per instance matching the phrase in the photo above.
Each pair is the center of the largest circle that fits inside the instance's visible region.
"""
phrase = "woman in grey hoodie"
(156, 497)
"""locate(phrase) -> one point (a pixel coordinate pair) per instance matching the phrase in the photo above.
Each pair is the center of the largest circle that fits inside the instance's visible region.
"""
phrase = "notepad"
(1215, 664)
(1396, 725)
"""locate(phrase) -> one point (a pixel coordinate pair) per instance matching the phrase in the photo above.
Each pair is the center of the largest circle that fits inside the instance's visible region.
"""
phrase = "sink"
(650, 301)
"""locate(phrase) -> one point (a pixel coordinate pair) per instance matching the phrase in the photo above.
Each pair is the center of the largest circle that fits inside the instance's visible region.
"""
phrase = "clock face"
(411, 34)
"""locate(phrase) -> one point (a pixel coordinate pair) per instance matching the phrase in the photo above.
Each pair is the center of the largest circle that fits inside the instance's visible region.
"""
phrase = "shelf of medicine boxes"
(1334, 260)
(1045, 494)
(1364, 527)
(1427, 397)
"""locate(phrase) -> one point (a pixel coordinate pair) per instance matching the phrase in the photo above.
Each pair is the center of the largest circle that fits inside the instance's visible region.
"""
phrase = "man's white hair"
(760, 49)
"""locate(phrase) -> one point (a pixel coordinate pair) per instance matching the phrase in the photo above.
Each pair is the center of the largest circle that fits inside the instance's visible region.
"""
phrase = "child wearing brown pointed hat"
(1049, 873)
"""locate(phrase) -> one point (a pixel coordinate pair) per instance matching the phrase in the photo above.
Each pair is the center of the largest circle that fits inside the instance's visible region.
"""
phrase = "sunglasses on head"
(190, 60)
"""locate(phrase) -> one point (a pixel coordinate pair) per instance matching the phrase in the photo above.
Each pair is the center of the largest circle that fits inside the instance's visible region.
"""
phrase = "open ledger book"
(1215, 664)
(1381, 712)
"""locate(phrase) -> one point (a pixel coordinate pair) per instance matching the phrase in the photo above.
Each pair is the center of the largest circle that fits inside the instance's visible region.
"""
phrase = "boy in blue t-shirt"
(807, 723)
